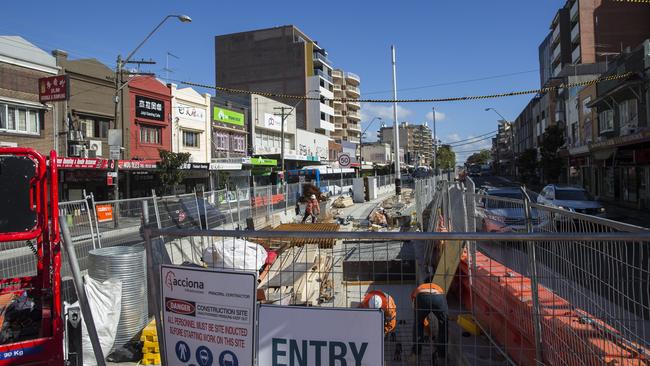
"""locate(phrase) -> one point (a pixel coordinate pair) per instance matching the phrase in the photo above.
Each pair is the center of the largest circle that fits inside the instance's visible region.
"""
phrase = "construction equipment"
(32, 327)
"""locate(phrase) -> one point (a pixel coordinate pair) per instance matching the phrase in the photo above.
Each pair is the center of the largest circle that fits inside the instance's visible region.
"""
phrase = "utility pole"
(118, 98)
(398, 182)
(435, 144)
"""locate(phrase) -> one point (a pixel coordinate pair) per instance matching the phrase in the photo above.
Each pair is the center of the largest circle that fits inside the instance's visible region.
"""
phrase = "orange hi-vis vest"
(387, 306)
(426, 288)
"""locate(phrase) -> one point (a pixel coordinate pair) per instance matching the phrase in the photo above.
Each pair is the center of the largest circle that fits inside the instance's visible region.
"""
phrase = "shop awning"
(603, 154)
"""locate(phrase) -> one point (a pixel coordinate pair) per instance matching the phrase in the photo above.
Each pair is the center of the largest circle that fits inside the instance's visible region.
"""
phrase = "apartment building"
(347, 117)
(281, 60)
(416, 140)
(503, 149)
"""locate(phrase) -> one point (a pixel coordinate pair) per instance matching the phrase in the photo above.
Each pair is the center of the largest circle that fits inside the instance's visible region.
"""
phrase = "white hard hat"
(375, 302)
(313, 196)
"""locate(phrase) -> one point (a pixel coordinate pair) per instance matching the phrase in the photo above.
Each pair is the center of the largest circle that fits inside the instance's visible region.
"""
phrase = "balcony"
(556, 34)
(354, 139)
(354, 104)
(338, 113)
(337, 101)
(557, 69)
(576, 55)
(573, 13)
(337, 74)
(319, 57)
(352, 78)
(354, 115)
(352, 91)
(354, 127)
(323, 74)
(575, 33)
(556, 53)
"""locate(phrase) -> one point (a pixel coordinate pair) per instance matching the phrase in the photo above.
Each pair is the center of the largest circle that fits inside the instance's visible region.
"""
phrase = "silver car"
(574, 199)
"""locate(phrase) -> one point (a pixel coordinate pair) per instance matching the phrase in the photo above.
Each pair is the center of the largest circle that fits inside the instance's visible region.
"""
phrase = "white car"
(574, 199)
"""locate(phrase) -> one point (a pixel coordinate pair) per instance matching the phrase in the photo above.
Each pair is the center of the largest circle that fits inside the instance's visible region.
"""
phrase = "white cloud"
(439, 116)
(385, 112)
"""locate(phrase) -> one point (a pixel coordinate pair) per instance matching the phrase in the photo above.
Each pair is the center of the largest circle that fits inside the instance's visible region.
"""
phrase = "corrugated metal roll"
(127, 264)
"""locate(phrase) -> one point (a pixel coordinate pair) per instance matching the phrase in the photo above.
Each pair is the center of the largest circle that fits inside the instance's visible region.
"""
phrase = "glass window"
(11, 118)
(190, 139)
(150, 135)
(87, 127)
(627, 112)
(17, 119)
(22, 120)
(101, 128)
(3, 116)
(606, 121)
(572, 195)
(33, 122)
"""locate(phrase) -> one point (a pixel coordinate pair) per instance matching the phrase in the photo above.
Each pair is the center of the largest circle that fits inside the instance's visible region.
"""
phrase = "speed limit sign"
(344, 160)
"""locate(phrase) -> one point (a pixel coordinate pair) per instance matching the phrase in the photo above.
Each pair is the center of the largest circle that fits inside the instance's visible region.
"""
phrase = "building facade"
(416, 140)
(149, 110)
(24, 121)
(191, 128)
(347, 116)
(281, 60)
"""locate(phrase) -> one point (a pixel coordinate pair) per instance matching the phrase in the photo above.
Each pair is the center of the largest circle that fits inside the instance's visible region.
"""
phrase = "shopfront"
(150, 127)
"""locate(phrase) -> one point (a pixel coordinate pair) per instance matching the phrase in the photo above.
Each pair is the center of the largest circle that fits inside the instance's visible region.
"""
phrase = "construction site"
(250, 277)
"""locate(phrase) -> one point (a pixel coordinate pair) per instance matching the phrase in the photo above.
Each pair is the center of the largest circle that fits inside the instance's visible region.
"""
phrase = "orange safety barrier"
(503, 306)
(261, 201)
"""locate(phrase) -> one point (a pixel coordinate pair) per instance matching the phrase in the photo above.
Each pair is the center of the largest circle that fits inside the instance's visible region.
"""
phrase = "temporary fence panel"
(80, 220)
(119, 221)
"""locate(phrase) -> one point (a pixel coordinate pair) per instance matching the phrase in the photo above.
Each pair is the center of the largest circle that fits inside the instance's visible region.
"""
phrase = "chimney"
(60, 55)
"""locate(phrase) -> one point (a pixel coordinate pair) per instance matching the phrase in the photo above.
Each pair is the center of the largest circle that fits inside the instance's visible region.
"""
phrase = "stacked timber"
(343, 202)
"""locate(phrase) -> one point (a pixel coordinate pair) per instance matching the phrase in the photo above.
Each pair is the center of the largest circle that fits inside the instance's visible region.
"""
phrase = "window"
(191, 139)
(606, 121)
(221, 141)
(19, 119)
(101, 128)
(238, 143)
(150, 135)
(627, 112)
(87, 127)
(572, 195)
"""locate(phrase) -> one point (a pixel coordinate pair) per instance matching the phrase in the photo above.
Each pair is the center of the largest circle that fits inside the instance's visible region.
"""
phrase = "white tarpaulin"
(235, 254)
(291, 335)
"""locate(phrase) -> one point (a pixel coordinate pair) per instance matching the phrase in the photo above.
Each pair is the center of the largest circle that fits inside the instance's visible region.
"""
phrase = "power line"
(429, 100)
(470, 138)
(473, 142)
(455, 82)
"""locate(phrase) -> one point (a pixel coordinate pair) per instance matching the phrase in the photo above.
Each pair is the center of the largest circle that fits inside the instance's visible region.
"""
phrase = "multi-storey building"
(347, 118)
(281, 60)
(503, 149)
(191, 128)
(416, 140)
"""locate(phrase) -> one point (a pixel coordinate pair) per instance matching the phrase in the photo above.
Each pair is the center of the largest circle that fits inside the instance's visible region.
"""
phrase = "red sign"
(104, 213)
(138, 164)
(53, 88)
(82, 163)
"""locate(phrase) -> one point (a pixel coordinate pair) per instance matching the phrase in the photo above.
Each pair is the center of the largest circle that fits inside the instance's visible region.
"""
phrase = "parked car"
(501, 216)
(574, 199)
(475, 170)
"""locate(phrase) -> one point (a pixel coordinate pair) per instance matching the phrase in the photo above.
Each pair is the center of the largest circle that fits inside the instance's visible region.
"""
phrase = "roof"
(19, 51)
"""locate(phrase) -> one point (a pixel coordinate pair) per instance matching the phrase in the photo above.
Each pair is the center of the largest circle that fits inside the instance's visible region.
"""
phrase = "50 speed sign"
(344, 160)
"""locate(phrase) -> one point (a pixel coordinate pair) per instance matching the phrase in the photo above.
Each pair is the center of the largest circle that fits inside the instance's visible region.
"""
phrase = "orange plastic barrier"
(503, 306)
(261, 201)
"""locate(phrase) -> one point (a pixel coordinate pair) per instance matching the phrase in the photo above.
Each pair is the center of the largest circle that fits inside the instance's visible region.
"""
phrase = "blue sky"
(437, 42)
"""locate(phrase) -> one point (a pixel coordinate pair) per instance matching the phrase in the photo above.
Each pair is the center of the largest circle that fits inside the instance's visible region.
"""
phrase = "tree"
(481, 157)
(170, 165)
(445, 158)
(527, 164)
(552, 141)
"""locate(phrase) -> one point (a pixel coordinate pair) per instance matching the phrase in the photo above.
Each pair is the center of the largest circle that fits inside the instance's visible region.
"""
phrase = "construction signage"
(320, 336)
(104, 212)
(208, 316)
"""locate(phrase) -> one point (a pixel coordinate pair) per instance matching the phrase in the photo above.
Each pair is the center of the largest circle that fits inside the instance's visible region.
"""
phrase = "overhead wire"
(425, 100)
(473, 142)
(470, 138)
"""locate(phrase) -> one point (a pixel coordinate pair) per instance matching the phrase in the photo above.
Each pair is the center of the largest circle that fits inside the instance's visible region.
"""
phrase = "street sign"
(53, 88)
(289, 335)
(208, 316)
(344, 160)
(114, 152)
(104, 213)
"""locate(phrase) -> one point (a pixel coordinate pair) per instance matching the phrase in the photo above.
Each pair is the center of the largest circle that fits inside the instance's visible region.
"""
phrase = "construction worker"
(381, 300)
(312, 209)
(429, 304)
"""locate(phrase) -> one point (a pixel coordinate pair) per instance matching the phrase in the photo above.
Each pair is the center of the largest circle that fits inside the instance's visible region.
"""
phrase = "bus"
(328, 179)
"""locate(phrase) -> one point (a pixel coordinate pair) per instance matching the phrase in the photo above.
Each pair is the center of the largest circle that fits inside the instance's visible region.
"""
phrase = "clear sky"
(443, 47)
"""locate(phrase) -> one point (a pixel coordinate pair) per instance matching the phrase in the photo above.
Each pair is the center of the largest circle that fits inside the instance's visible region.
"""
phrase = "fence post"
(447, 207)
(532, 264)
(238, 207)
(94, 214)
(155, 208)
(286, 197)
(232, 219)
(90, 223)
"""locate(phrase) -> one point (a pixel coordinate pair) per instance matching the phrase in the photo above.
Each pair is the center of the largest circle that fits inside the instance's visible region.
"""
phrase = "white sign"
(320, 336)
(190, 112)
(208, 316)
(344, 160)
(273, 122)
(114, 152)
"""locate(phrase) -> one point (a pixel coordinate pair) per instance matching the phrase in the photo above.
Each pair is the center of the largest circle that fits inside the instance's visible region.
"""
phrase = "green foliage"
(445, 158)
(527, 164)
(552, 141)
(481, 157)
(170, 166)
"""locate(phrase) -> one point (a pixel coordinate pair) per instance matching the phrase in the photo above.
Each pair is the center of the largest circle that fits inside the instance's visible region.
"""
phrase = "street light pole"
(119, 121)
(435, 144)
(398, 183)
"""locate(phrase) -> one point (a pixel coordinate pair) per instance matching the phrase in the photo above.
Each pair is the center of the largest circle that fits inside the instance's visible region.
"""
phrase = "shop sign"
(208, 316)
(104, 213)
(260, 161)
(195, 166)
(291, 335)
(81, 163)
(227, 116)
(138, 164)
(149, 108)
(190, 112)
(53, 88)
(272, 122)
(114, 152)
(225, 166)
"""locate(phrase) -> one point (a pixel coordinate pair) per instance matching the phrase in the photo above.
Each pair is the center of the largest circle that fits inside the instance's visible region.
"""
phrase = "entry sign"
(208, 316)
(320, 336)
(344, 160)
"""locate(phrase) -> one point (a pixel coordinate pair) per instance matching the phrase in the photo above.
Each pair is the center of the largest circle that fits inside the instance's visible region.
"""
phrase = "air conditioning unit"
(96, 147)
(76, 150)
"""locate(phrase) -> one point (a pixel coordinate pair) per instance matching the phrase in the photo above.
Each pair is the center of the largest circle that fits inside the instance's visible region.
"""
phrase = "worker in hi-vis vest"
(429, 304)
(385, 302)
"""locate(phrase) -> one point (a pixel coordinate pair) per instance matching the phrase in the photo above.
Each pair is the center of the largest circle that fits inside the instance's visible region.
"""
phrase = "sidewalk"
(627, 215)
(361, 211)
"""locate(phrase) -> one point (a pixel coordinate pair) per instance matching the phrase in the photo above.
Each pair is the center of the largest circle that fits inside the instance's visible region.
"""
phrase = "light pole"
(512, 136)
(119, 93)
(435, 143)
(398, 180)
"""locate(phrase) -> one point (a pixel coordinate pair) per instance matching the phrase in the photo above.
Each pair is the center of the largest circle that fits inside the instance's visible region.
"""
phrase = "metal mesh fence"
(18, 259)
